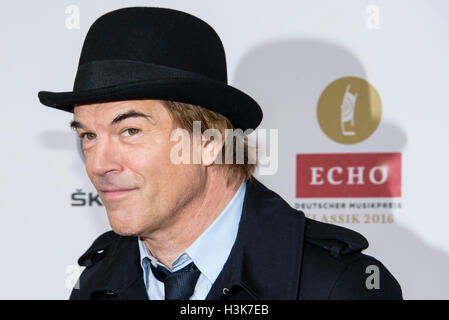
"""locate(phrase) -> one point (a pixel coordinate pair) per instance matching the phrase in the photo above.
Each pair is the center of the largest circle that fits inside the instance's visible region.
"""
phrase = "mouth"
(116, 193)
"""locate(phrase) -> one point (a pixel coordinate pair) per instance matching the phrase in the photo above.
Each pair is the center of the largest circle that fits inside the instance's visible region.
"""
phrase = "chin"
(124, 225)
(126, 230)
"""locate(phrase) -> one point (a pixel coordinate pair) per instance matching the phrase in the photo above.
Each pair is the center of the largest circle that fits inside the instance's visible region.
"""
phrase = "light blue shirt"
(209, 252)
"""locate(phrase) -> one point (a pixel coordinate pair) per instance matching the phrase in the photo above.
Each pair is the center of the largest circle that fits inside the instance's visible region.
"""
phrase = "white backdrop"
(284, 54)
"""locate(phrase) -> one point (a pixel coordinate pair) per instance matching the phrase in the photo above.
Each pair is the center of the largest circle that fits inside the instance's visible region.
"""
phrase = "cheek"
(153, 163)
(145, 160)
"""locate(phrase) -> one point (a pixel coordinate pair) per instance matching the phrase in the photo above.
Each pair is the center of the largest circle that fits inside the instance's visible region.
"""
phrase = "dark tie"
(178, 285)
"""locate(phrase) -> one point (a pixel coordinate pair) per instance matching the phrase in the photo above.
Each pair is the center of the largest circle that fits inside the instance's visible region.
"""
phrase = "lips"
(116, 193)
(114, 190)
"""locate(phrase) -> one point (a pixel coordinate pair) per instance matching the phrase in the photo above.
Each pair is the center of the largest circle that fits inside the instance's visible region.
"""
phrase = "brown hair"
(184, 115)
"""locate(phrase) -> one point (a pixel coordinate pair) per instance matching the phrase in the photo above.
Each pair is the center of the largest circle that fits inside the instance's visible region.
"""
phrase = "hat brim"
(242, 110)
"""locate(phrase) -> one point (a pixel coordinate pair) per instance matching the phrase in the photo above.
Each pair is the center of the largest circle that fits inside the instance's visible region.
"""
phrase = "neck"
(167, 244)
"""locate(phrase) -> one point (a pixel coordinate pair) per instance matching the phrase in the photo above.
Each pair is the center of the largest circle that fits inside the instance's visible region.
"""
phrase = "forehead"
(108, 110)
(110, 113)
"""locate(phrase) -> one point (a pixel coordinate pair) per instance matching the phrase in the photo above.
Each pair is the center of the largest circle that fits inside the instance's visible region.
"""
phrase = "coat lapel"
(265, 261)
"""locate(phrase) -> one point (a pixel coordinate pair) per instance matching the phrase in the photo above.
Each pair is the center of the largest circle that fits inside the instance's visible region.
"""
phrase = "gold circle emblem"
(349, 110)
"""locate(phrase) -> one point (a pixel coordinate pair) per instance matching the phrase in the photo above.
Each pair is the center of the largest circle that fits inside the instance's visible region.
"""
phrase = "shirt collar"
(211, 249)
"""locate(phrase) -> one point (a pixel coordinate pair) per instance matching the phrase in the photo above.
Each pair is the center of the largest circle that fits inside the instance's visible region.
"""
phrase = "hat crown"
(155, 53)
(157, 36)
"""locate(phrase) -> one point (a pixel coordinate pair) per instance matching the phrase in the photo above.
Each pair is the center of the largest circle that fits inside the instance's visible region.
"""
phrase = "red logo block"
(348, 175)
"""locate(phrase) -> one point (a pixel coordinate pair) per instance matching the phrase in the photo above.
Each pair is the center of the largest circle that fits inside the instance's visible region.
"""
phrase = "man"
(186, 229)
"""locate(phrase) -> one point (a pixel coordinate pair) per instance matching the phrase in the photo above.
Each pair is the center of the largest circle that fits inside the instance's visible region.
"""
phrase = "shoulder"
(99, 249)
(334, 266)
(95, 260)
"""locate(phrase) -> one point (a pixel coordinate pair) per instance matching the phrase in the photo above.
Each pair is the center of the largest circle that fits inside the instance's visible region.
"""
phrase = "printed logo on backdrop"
(350, 175)
(349, 110)
(349, 187)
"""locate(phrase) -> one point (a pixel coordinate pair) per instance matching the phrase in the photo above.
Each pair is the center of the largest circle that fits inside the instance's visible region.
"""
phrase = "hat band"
(107, 73)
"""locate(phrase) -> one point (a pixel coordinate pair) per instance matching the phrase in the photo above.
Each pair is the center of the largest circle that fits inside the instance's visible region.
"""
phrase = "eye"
(131, 131)
(88, 135)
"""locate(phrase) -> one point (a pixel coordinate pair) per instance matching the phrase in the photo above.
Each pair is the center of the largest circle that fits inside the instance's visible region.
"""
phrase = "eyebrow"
(128, 114)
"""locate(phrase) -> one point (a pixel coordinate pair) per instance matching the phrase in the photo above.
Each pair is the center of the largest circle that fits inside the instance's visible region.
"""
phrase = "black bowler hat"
(155, 53)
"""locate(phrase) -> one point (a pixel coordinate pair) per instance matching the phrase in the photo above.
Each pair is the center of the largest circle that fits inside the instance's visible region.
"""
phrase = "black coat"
(278, 254)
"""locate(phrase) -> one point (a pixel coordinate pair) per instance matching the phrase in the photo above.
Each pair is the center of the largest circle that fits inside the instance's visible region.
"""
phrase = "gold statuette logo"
(349, 110)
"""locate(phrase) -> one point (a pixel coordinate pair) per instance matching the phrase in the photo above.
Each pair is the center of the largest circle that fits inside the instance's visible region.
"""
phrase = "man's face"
(127, 149)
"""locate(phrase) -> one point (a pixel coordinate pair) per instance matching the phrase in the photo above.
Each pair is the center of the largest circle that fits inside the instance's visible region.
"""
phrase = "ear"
(212, 143)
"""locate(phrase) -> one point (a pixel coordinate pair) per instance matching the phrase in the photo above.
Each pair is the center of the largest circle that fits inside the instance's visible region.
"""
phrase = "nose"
(103, 158)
